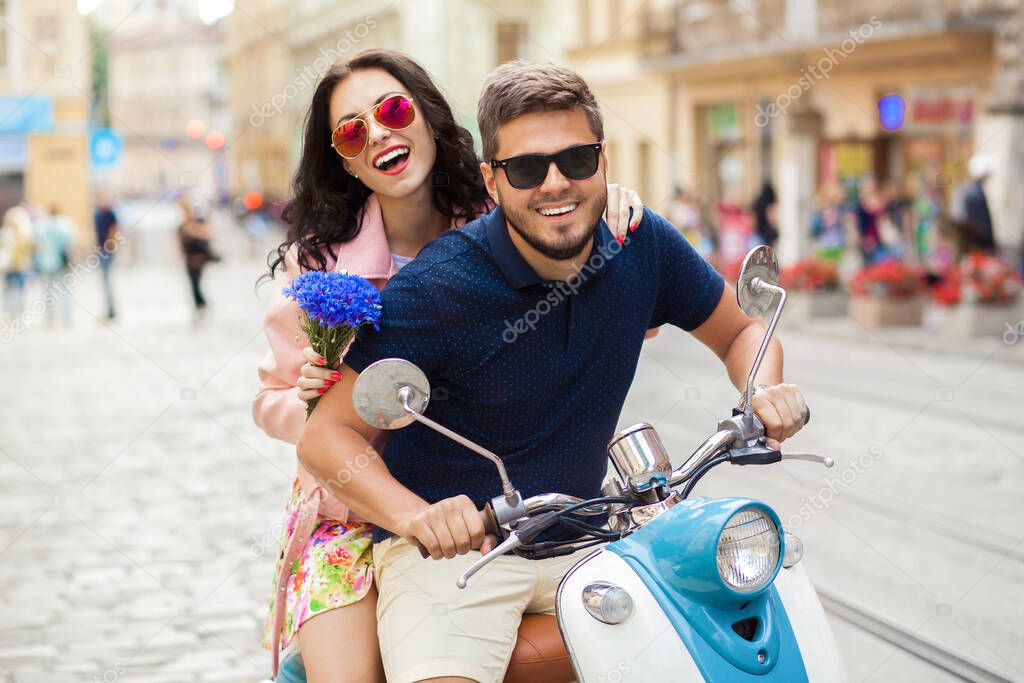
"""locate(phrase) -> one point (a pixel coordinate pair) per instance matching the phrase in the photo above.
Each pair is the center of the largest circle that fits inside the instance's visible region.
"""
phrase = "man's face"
(562, 234)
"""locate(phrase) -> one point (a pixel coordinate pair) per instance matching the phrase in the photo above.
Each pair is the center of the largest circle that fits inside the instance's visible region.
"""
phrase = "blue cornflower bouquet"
(334, 307)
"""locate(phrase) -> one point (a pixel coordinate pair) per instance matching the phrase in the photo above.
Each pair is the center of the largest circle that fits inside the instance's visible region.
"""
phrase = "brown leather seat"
(539, 655)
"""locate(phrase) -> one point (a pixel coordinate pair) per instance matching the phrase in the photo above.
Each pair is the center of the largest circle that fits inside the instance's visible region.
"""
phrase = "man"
(55, 234)
(977, 218)
(106, 243)
(528, 323)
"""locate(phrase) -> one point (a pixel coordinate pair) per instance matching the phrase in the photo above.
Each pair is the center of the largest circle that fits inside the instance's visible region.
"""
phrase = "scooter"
(677, 588)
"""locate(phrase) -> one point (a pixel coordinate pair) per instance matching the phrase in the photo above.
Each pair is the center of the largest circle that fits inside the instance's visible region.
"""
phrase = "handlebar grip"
(807, 414)
(490, 527)
(490, 520)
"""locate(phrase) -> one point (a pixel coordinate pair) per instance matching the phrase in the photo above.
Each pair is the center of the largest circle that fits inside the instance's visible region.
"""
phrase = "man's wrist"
(742, 405)
(396, 516)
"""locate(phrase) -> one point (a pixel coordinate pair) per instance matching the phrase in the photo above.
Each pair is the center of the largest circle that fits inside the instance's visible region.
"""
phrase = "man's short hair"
(517, 87)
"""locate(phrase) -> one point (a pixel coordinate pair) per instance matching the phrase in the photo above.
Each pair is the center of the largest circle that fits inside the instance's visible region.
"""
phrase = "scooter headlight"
(748, 550)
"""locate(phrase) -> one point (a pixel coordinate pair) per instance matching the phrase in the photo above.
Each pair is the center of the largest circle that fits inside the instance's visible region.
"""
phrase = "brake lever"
(508, 545)
(524, 533)
(810, 457)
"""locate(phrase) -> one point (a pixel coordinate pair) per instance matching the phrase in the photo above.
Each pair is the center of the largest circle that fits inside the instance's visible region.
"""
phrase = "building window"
(3, 34)
(643, 161)
(765, 151)
(583, 22)
(47, 30)
(510, 39)
(721, 150)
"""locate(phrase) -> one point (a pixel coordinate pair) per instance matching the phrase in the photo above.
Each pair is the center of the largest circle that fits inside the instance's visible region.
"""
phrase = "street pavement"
(140, 506)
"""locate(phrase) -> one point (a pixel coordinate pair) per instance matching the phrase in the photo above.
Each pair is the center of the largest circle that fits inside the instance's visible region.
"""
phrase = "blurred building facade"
(44, 107)
(167, 98)
(277, 51)
(259, 65)
(718, 97)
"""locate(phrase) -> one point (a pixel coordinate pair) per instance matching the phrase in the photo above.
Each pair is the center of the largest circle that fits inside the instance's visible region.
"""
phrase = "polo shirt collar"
(513, 266)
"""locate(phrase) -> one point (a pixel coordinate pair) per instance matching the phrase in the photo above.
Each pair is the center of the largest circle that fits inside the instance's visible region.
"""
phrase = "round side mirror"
(759, 264)
(378, 394)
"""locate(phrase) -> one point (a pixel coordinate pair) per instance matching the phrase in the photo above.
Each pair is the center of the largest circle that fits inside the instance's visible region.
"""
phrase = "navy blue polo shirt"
(536, 371)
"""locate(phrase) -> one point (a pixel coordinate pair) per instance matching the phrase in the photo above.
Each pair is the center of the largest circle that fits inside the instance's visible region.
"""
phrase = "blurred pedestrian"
(684, 213)
(927, 215)
(827, 221)
(978, 234)
(895, 228)
(869, 209)
(55, 234)
(107, 240)
(16, 251)
(765, 214)
(736, 233)
(195, 236)
(257, 229)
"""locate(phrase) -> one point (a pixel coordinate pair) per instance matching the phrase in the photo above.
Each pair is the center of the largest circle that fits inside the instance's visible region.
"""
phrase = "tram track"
(957, 664)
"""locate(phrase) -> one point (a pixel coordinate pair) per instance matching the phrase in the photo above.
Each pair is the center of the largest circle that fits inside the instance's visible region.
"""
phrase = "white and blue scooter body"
(677, 623)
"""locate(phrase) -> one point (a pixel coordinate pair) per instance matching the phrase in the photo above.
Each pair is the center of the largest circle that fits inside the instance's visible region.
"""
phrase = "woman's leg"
(340, 645)
(200, 299)
(197, 295)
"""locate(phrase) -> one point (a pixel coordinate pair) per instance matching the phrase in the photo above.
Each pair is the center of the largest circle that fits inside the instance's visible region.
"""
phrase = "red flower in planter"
(890, 279)
(947, 293)
(810, 275)
(987, 279)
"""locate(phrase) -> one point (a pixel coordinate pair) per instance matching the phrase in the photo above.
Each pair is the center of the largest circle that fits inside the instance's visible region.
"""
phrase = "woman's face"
(402, 174)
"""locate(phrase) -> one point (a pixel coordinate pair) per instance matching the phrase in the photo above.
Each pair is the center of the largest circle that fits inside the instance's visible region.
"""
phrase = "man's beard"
(565, 247)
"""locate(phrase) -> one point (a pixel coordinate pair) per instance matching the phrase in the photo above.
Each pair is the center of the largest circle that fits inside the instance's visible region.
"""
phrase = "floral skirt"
(333, 569)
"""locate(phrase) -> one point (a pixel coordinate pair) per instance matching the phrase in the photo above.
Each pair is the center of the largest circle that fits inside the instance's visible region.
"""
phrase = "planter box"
(979, 320)
(875, 313)
(802, 307)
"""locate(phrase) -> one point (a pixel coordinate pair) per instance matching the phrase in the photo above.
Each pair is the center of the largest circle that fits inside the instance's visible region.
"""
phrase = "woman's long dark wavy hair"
(325, 208)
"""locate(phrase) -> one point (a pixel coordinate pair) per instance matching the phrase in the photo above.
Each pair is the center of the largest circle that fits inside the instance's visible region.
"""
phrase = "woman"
(764, 214)
(194, 236)
(17, 247)
(869, 209)
(55, 235)
(401, 172)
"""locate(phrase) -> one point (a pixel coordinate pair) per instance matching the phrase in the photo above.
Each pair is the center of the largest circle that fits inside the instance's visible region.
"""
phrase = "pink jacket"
(277, 408)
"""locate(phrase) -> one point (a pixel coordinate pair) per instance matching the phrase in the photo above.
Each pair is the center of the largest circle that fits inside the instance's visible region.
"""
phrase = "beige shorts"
(428, 627)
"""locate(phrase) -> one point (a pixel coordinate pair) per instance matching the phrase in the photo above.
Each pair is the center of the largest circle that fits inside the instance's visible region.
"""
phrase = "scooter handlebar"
(490, 527)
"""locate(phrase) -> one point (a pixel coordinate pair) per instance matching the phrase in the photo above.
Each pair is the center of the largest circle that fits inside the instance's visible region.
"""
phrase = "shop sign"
(932, 108)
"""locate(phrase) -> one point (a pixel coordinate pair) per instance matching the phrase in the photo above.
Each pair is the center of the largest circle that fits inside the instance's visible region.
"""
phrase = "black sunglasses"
(530, 170)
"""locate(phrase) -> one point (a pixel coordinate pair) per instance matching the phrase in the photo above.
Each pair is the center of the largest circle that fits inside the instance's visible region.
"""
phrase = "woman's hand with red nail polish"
(314, 379)
(623, 211)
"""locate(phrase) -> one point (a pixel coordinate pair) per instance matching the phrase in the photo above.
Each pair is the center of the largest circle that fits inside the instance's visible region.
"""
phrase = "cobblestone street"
(140, 503)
